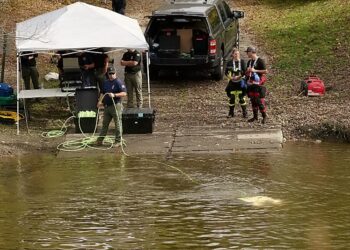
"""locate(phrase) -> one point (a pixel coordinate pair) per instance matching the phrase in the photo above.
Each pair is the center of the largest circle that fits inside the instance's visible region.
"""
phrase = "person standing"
(101, 66)
(119, 6)
(256, 64)
(133, 76)
(236, 89)
(256, 75)
(29, 70)
(87, 66)
(111, 99)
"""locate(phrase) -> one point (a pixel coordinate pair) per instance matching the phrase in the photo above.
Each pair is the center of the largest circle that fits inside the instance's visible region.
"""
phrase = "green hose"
(57, 133)
(87, 141)
(90, 141)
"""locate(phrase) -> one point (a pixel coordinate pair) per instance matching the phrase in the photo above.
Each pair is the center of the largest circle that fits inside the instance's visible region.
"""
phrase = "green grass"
(304, 36)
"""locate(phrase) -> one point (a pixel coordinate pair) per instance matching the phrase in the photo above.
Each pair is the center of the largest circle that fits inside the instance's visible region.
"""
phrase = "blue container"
(5, 90)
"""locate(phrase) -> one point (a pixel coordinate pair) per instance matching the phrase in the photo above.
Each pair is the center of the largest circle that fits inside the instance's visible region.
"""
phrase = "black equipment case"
(86, 100)
(138, 120)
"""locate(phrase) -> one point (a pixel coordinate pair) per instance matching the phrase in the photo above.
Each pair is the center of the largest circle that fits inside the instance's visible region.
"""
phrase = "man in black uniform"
(87, 66)
(119, 6)
(133, 76)
(29, 70)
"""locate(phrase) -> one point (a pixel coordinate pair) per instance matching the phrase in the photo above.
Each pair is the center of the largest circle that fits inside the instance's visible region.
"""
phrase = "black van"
(192, 34)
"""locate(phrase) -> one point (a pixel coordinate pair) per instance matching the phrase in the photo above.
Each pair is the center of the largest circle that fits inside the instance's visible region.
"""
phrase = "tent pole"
(148, 81)
(17, 67)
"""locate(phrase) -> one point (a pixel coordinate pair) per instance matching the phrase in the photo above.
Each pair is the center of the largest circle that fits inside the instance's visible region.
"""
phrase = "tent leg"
(148, 80)
(17, 66)
(26, 114)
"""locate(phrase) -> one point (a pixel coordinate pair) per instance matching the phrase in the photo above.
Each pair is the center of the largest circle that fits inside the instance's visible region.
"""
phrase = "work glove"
(229, 75)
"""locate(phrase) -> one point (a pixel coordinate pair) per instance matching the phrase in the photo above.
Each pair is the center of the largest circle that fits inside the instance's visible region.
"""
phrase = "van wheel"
(218, 73)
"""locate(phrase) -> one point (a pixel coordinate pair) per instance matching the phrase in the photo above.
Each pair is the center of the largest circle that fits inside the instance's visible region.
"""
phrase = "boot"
(244, 111)
(231, 113)
(255, 118)
(264, 117)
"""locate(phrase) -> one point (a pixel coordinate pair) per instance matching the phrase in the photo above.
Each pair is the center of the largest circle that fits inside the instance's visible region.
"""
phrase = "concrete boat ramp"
(192, 140)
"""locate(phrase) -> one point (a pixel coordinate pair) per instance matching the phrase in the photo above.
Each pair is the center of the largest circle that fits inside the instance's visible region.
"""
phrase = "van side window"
(222, 12)
(214, 20)
(227, 9)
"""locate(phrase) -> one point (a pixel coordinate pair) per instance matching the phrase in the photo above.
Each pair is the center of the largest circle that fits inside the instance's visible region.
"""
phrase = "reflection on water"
(136, 203)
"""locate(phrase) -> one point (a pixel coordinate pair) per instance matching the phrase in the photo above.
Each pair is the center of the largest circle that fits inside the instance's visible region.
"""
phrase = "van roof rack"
(189, 1)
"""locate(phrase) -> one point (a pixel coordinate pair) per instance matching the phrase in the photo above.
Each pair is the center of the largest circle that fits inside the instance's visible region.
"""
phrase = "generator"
(312, 86)
(138, 120)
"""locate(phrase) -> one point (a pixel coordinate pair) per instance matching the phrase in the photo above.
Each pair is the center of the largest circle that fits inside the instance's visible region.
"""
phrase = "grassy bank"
(300, 38)
(303, 37)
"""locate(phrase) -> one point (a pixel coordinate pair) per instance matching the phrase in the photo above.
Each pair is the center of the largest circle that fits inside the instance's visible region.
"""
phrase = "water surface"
(118, 202)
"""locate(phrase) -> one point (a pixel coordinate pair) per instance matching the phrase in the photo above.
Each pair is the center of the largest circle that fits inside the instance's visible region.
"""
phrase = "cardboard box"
(185, 40)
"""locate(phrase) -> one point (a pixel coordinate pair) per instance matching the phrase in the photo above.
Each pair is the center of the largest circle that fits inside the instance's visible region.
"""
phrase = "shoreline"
(202, 102)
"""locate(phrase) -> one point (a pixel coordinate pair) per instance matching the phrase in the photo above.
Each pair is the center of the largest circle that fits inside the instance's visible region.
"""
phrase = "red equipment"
(313, 86)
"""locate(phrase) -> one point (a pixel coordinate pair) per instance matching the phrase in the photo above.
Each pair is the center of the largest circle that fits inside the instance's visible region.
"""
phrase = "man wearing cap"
(256, 74)
(133, 76)
(111, 99)
(256, 65)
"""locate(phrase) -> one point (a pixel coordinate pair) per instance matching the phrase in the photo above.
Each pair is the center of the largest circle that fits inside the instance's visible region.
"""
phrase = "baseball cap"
(251, 49)
(110, 70)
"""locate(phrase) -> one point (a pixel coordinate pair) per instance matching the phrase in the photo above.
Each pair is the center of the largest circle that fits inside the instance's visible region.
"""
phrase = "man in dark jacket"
(29, 70)
(119, 6)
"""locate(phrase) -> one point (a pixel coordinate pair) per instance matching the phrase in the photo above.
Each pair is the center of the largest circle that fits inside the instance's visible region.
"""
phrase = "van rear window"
(176, 22)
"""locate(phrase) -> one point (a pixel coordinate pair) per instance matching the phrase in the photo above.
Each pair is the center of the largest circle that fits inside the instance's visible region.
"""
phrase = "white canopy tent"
(79, 27)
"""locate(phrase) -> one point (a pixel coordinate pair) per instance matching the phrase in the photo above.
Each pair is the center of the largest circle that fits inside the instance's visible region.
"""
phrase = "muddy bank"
(12, 144)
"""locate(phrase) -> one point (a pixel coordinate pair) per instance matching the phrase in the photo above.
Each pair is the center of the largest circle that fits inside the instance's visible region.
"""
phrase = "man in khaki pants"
(133, 76)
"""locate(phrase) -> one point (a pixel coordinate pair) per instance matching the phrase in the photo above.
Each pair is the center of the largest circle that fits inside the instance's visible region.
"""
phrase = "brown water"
(137, 203)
